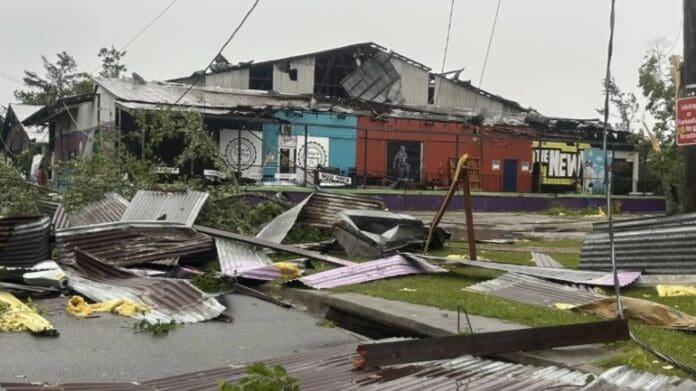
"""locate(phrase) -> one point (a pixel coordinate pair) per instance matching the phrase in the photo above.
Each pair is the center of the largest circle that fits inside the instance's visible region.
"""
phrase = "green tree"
(111, 62)
(658, 87)
(61, 79)
(17, 196)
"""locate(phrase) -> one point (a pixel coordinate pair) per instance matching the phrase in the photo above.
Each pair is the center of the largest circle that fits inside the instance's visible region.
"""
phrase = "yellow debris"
(20, 317)
(564, 306)
(77, 306)
(288, 269)
(676, 290)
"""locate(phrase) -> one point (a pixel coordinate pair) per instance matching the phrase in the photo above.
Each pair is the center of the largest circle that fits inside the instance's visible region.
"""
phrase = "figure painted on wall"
(401, 163)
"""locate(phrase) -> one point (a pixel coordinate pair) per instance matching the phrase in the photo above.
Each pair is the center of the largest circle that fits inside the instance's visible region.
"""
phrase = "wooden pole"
(468, 212)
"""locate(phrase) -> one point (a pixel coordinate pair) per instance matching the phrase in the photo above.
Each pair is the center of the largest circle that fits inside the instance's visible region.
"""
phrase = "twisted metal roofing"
(176, 206)
(24, 240)
(396, 265)
(532, 290)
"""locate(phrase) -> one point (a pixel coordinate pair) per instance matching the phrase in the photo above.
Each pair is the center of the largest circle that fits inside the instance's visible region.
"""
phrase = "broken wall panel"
(659, 250)
(535, 291)
(176, 206)
(322, 211)
(169, 298)
(278, 228)
(394, 266)
(131, 243)
(377, 80)
(24, 241)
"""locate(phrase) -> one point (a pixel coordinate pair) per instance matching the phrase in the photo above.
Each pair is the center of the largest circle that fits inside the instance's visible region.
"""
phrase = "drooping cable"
(143, 30)
(449, 29)
(607, 166)
(202, 73)
(488, 51)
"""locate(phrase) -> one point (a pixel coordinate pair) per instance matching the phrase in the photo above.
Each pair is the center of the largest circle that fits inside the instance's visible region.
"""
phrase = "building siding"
(238, 78)
(305, 76)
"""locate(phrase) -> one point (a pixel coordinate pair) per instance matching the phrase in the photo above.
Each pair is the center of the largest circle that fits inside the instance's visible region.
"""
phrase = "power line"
(202, 73)
(144, 29)
(10, 78)
(449, 28)
(488, 50)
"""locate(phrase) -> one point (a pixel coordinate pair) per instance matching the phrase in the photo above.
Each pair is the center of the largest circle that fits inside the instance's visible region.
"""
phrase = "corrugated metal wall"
(414, 82)
(451, 95)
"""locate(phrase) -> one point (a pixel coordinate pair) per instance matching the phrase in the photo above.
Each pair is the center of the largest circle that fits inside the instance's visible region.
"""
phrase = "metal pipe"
(304, 184)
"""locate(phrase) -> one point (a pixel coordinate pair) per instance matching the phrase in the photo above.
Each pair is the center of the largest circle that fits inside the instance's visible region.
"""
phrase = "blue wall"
(339, 128)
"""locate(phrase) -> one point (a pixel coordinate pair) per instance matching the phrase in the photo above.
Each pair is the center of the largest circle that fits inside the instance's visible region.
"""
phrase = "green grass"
(446, 291)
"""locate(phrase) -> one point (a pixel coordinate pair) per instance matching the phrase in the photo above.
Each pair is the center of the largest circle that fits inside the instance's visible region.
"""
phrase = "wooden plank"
(538, 338)
(272, 245)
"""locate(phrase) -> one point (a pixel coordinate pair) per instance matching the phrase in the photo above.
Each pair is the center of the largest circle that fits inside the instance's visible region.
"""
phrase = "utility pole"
(689, 83)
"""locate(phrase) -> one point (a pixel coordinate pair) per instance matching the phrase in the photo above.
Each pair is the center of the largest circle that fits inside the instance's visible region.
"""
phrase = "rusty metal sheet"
(583, 277)
(175, 206)
(536, 291)
(54, 210)
(111, 208)
(322, 211)
(24, 241)
(169, 298)
(131, 243)
(394, 266)
(331, 369)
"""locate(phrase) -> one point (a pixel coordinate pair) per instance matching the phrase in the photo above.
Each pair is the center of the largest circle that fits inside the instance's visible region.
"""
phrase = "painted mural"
(577, 165)
(404, 160)
(250, 159)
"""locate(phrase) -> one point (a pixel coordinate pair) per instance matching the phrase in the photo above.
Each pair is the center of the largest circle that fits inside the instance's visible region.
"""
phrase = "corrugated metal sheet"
(177, 206)
(24, 240)
(322, 210)
(169, 298)
(375, 80)
(394, 266)
(532, 290)
(676, 220)
(276, 230)
(131, 243)
(630, 379)
(331, 369)
(109, 209)
(239, 259)
(545, 260)
(567, 275)
(667, 250)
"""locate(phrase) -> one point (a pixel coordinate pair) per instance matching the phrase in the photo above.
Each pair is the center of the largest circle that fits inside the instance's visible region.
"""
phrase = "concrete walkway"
(425, 321)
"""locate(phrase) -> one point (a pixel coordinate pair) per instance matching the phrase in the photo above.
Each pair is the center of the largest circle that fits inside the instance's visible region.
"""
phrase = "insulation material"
(675, 290)
(250, 161)
(645, 311)
(78, 307)
(17, 316)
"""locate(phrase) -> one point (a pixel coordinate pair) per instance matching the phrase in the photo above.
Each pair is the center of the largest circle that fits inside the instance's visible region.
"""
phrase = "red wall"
(441, 140)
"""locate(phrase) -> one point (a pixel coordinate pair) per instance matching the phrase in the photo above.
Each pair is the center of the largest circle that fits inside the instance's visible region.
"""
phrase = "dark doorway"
(510, 175)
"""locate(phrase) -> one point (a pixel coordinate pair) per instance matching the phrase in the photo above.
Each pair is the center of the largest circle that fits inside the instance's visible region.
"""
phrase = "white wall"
(414, 82)
(453, 96)
(305, 77)
(238, 78)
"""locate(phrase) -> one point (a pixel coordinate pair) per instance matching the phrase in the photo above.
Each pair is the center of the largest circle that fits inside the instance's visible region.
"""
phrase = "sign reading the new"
(686, 121)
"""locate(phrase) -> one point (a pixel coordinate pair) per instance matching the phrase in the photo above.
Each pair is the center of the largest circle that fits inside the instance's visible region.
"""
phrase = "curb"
(321, 303)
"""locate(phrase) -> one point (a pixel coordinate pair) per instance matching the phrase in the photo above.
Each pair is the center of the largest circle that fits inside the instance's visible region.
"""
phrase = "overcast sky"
(547, 54)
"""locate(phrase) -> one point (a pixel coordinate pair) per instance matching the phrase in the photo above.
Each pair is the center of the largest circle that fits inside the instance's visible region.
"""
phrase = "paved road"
(106, 348)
